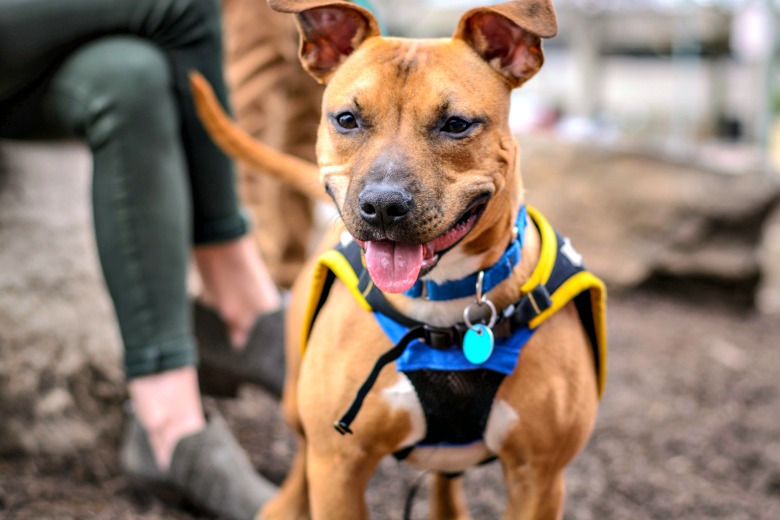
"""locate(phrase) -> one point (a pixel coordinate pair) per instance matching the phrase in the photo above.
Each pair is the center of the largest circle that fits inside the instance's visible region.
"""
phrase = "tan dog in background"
(277, 103)
(415, 149)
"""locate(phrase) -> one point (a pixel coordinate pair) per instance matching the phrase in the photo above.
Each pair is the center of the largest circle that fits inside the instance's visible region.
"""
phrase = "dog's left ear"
(508, 36)
(330, 31)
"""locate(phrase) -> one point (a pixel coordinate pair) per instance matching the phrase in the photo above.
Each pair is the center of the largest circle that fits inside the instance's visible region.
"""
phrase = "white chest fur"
(448, 459)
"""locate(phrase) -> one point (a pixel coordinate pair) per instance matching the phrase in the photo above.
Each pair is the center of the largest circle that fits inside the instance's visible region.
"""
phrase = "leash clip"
(478, 342)
(480, 300)
(480, 278)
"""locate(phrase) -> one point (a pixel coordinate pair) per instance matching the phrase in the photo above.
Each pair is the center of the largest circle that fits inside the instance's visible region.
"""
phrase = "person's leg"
(236, 281)
(188, 33)
(116, 92)
(67, 79)
(168, 406)
(237, 284)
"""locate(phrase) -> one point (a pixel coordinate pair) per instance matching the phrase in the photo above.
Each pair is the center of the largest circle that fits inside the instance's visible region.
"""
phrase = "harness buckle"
(534, 303)
(342, 428)
(441, 338)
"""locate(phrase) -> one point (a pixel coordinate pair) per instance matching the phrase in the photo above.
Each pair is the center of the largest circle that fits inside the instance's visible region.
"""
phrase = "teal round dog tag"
(478, 344)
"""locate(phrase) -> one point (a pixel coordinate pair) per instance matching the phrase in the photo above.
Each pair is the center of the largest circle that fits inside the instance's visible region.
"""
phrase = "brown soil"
(687, 429)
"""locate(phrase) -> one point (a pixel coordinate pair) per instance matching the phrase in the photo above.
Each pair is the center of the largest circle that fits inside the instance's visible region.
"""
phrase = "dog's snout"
(384, 204)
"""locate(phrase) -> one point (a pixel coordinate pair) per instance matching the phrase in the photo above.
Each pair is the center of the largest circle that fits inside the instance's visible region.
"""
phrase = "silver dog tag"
(478, 344)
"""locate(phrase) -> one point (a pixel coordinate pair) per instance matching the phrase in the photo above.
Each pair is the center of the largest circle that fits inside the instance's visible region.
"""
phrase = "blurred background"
(674, 85)
(691, 78)
(651, 137)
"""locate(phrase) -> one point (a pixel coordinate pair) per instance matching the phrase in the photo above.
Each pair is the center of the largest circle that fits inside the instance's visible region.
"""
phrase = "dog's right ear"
(330, 31)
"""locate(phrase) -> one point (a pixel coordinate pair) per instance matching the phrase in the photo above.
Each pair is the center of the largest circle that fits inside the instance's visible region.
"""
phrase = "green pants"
(114, 73)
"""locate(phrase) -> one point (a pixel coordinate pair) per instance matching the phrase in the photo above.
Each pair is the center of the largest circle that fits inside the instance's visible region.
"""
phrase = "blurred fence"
(683, 77)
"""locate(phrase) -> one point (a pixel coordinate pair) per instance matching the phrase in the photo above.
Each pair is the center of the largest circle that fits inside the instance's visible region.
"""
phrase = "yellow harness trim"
(580, 282)
(336, 263)
(574, 286)
(547, 251)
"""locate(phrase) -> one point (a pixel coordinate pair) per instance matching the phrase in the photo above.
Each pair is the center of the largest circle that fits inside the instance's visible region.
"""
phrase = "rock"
(60, 374)
(768, 300)
(646, 221)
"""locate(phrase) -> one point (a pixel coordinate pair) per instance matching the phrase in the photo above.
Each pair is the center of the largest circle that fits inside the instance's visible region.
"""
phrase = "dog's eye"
(455, 126)
(347, 121)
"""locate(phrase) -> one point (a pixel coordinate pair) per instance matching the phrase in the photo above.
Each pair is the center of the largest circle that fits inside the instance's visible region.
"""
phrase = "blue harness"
(456, 394)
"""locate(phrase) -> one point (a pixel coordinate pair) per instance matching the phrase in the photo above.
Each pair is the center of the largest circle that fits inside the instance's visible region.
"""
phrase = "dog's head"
(414, 144)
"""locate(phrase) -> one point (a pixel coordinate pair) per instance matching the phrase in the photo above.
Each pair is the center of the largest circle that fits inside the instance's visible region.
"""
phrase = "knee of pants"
(204, 13)
(115, 84)
(184, 23)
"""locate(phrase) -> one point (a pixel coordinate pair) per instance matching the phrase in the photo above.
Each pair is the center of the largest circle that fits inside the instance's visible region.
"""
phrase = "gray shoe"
(222, 368)
(209, 470)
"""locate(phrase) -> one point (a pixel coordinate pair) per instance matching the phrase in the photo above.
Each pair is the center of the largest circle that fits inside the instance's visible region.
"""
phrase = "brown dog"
(415, 149)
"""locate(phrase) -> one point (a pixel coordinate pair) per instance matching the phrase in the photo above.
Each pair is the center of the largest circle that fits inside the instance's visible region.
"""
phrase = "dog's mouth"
(396, 266)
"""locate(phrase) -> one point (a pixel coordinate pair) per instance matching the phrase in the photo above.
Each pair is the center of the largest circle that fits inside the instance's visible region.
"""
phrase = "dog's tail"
(301, 174)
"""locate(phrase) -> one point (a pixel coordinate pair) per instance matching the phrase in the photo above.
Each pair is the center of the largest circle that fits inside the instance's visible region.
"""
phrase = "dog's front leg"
(533, 494)
(337, 483)
(292, 501)
(447, 499)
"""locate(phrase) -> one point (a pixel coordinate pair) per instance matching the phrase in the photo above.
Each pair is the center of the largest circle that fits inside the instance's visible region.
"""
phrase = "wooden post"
(585, 100)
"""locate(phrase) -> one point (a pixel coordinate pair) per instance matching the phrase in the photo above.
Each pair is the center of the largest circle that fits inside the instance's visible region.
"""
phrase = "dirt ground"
(688, 429)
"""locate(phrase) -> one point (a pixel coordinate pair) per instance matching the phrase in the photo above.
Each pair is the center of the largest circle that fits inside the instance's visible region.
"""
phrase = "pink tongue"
(393, 266)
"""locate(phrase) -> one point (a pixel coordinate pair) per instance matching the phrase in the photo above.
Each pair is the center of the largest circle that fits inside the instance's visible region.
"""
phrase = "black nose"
(384, 204)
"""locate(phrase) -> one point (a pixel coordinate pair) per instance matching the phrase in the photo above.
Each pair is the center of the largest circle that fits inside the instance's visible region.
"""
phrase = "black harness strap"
(342, 425)
(330, 279)
(515, 317)
(518, 316)
(377, 301)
